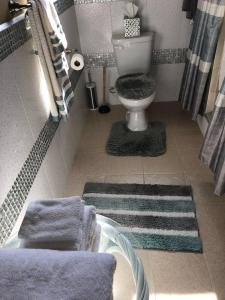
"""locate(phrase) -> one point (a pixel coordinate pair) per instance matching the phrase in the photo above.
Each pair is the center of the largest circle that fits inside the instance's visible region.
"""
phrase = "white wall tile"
(6, 183)
(59, 158)
(94, 25)
(69, 23)
(15, 133)
(166, 19)
(111, 76)
(41, 188)
(168, 80)
(31, 86)
(23, 115)
(117, 14)
(56, 169)
(69, 132)
(169, 23)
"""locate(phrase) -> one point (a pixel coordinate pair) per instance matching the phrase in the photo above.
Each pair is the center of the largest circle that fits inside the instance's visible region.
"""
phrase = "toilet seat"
(135, 86)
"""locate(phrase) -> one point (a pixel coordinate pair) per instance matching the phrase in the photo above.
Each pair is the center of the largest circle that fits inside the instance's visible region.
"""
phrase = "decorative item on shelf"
(132, 23)
(14, 6)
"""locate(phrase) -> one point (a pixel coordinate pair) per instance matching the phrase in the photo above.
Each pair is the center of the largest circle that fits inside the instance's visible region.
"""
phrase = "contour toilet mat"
(124, 142)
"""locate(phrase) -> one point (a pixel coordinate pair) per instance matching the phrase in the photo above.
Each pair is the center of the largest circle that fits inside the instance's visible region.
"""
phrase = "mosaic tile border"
(169, 56)
(13, 37)
(97, 60)
(16, 197)
(159, 56)
(14, 33)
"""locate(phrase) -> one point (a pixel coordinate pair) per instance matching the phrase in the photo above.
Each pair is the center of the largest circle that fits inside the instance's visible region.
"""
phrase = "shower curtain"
(218, 72)
(213, 149)
(206, 29)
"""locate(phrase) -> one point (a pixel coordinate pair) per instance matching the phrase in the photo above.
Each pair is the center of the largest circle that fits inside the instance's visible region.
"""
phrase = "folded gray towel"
(55, 275)
(53, 221)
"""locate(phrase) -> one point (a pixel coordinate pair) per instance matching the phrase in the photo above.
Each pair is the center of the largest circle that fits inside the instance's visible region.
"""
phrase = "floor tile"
(189, 138)
(171, 276)
(203, 188)
(212, 227)
(137, 178)
(123, 287)
(144, 256)
(191, 164)
(174, 179)
(117, 165)
(166, 163)
(76, 184)
(177, 275)
(94, 139)
(90, 163)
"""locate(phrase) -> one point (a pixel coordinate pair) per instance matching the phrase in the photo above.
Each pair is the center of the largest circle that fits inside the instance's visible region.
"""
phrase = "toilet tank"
(133, 55)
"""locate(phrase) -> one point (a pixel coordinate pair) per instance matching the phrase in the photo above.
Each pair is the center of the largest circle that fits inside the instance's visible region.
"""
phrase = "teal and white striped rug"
(151, 216)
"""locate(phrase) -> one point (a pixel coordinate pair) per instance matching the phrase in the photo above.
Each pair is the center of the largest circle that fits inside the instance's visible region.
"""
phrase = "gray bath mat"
(124, 142)
(150, 216)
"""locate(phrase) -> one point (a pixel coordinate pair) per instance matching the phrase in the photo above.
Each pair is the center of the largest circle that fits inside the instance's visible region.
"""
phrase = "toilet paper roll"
(77, 62)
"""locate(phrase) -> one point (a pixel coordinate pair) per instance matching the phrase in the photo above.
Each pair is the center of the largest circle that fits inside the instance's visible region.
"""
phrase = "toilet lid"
(135, 86)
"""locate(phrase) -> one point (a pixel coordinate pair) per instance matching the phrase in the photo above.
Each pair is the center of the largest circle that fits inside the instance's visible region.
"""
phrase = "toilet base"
(137, 121)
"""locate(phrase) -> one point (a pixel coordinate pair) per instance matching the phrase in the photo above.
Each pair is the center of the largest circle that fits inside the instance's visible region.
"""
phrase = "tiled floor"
(170, 275)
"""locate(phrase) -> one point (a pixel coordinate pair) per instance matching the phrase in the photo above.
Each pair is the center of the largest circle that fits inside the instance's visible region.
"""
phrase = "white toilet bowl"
(136, 116)
(136, 92)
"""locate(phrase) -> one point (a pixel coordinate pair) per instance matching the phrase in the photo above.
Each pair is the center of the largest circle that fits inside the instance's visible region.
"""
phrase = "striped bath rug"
(150, 216)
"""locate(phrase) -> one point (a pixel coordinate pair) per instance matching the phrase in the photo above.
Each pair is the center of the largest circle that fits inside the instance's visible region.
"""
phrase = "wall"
(97, 22)
(24, 112)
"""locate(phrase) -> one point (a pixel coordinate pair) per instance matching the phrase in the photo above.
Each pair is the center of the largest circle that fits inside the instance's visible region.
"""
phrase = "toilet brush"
(104, 108)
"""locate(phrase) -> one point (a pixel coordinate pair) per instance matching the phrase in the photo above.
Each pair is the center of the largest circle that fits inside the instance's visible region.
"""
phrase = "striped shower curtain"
(213, 150)
(206, 29)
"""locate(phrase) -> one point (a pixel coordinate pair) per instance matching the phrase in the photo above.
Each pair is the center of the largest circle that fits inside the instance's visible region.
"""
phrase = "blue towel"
(55, 275)
(60, 224)
(58, 220)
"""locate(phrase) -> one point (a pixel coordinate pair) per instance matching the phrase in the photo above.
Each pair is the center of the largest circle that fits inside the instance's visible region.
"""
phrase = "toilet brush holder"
(91, 93)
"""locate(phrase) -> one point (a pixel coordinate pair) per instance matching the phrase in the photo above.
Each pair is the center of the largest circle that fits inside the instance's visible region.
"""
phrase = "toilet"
(135, 88)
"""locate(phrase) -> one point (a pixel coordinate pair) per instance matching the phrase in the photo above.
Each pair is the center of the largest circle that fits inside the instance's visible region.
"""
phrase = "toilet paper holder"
(70, 51)
(67, 51)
